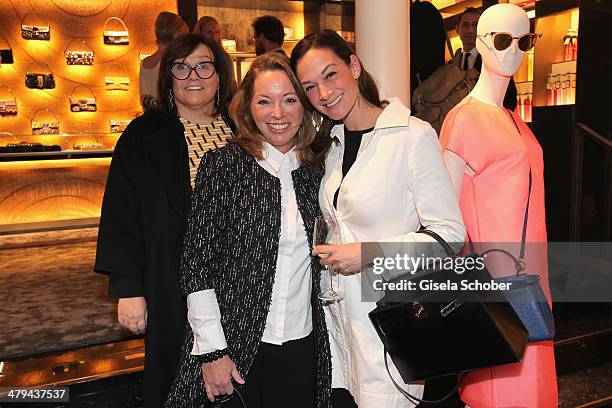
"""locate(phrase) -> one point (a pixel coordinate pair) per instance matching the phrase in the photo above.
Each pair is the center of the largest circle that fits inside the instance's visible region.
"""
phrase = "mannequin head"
(506, 18)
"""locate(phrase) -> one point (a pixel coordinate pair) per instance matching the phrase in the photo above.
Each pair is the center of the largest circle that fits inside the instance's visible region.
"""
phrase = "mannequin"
(490, 154)
(497, 67)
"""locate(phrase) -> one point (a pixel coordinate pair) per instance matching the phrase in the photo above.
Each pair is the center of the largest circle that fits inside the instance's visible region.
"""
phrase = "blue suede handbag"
(526, 295)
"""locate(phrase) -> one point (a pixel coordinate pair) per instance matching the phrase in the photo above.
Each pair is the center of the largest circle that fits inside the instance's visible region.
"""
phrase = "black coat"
(231, 246)
(144, 211)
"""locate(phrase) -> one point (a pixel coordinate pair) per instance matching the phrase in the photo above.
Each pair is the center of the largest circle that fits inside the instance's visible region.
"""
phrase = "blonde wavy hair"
(248, 136)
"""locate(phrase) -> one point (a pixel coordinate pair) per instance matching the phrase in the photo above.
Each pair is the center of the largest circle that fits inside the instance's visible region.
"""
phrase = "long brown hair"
(328, 39)
(168, 26)
(249, 136)
(181, 48)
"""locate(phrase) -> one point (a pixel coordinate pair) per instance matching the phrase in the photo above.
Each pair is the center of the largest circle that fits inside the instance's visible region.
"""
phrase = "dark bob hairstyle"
(178, 50)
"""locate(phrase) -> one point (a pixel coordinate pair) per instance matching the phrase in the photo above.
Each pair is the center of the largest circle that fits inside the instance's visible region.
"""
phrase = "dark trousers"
(281, 377)
(341, 398)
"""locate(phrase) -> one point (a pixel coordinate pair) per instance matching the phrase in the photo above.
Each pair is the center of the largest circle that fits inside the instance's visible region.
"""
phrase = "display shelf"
(56, 146)
(550, 57)
(66, 154)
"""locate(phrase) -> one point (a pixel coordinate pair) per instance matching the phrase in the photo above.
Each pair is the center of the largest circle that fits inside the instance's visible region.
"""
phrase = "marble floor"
(50, 298)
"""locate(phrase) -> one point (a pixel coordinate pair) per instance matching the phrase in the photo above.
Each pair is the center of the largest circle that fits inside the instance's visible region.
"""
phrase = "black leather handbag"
(427, 338)
(6, 54)
(39, 81)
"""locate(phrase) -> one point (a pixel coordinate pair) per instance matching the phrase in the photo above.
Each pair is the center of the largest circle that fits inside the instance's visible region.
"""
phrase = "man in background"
(269, 35)
(467, 57)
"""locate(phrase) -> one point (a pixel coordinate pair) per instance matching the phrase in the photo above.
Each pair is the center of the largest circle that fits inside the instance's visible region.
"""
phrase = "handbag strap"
(447, 248)
(87, 48)
(221, 401)
(115, 18)
(48, 111)
(11, 92)
(35, 14)
(414, 399)
(6, 41)
(519, 262)
(93, 95)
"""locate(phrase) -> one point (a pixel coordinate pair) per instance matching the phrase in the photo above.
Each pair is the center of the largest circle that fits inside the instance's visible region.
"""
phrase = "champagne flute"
(326, 232)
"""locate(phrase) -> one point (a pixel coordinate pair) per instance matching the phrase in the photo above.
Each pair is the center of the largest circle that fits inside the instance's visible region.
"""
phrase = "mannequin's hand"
(132, 314)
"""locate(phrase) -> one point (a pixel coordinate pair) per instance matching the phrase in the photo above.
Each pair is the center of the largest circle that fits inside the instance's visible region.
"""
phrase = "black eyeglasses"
(502, 41)
(181, 71)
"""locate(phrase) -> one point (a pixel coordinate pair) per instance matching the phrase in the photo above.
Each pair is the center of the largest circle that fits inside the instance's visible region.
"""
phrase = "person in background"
(146, 201)
(384, 179)
(269, 35)
(246, 270)
(210, 28)
(167, 27)
(467, 57)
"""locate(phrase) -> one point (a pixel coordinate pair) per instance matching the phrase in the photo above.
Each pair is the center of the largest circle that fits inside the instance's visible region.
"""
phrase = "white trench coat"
(397, 183)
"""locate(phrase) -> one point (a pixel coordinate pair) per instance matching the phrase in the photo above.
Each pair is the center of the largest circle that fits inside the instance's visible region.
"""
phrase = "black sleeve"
(230, 123)
(510, 97)
(210, 204)
(120, 250)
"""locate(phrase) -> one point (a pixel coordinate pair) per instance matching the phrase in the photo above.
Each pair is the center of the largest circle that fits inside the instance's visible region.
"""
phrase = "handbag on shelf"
(116, 78)
(116, 83)
(39, 81)
(83, 104)
(116, 37)
(428, 338)
(6, 54)
(118, 125)
(28, 147)
(46, 126)
(8, 106)
(35, 32)
(79, 57)
(83, 56)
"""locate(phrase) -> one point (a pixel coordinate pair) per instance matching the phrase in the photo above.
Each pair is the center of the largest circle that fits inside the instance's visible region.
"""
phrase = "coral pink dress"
(501, 154)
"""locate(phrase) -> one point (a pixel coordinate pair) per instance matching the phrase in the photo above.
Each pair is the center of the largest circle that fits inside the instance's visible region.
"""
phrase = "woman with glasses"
(147, 196)
(255, 323)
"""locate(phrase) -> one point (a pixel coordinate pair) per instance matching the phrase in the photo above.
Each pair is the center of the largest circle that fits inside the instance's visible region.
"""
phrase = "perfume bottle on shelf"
(519, 105)
(562, 89)
(527, 107)
(572, 88)
(530, 56)
(568, 89)
(568, 45)
(575, 45)
(550, 94)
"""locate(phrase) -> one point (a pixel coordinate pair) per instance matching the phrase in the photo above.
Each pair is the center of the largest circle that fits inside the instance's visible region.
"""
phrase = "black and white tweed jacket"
(231, 245)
